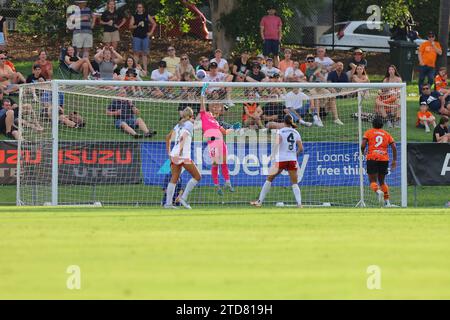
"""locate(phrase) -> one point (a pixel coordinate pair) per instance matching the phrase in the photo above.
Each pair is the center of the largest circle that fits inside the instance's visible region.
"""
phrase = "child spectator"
(36, 76)
(425, 118)
(252, 113)
(440, 133)
(440, 81)
(269, 70)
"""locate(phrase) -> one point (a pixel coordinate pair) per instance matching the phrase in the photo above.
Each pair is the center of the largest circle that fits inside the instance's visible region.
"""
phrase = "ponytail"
(186, 115)
(290, 121)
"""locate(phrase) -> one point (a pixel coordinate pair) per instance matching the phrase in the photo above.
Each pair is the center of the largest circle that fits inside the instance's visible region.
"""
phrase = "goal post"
(104, 142)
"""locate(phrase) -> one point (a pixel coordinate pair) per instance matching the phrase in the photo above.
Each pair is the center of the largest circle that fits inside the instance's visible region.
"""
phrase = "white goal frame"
(55, 85)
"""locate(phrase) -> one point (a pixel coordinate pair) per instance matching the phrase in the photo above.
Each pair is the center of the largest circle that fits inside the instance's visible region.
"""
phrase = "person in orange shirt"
(387, 106)
(440, 82)
(286, 62)
(378, 141)
(428, 52)
(252, 113)
(425, 118)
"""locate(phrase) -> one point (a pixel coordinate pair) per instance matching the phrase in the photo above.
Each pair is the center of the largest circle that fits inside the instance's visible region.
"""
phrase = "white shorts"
(180, 161)
(82, 40)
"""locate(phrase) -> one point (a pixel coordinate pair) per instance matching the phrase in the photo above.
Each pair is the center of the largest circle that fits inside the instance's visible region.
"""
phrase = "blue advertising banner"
(321, 164)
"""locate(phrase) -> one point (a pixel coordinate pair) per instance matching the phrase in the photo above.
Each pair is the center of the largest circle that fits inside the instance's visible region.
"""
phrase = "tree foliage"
(243, 22)
(394, 12)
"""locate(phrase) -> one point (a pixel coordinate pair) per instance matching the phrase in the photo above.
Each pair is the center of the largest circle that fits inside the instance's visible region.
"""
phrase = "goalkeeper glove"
(205, 86)
(236, 126)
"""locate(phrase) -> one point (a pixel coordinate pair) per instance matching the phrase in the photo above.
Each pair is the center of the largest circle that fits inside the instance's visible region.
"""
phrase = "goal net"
(97, 142)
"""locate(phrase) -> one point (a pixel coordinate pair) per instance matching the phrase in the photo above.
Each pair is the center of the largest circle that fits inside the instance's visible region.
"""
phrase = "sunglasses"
(310, 60)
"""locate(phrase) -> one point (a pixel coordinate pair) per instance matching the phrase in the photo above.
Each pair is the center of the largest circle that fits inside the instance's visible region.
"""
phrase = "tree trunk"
(444, 20)
(220, 39)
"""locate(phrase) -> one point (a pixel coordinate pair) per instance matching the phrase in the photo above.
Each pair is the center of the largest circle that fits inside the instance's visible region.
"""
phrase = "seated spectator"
(162, 74)
(440, 82)
(46, 65)
(360, 75)
(326, 63)
(203, 64)
(215, 76)
(269, 70)
(392, 75)
(387, 106)
(297, 106)
(286, 62)
(185, 66)
(252, 114)
(73, 120)
(8, 115)
(78, 64)
(294, 74)
(356, 60)
(314, 73)
(241, 67)
(338, 75)
(126, 115)
(255, 74)
(274, 110)
(437, 102)
(131, 65)
(261, 60)
(131, 75)
(172, 60)
(425, 118)
(440, 133)
(222, 64)
(9, 79)
(107, 60)
(36, 76)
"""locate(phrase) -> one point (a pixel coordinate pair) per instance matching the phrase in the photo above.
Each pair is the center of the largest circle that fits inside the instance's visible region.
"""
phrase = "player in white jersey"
(180, 157)
(288, 146)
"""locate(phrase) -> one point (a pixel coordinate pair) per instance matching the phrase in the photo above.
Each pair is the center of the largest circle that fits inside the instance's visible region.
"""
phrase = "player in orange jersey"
(378, 141)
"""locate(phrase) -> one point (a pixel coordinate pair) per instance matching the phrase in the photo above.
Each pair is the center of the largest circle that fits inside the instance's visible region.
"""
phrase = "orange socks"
(385, 189)
(374, 186)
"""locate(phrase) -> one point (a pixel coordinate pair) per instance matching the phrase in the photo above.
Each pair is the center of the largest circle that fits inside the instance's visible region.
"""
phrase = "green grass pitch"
(268, 253)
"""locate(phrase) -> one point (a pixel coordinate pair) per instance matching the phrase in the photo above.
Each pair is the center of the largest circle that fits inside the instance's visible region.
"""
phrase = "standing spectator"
(142, 32)
(425, 118)
(112, 21)
(356, 60)
(440, 82)
(360, 75)
(78, 64)
(440, 133)
(270, 27)
(135, 68)
(221, 62)
(3, 33)
(46, 65)
(172, 60)
(392, 75)
(203, 64)
(428, 52)
(107, 60)
(326, 63)
(269, 70)
(294, 74)
(338, 75)
(286, 62)
(241, 67)
(82, 33)
(185, 67)
(436, 101)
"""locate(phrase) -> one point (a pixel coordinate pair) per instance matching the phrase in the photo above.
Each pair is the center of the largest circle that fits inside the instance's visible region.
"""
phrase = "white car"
(367, 36)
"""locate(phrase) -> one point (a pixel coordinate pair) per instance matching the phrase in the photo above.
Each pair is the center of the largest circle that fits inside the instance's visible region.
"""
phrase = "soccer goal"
(104, 142)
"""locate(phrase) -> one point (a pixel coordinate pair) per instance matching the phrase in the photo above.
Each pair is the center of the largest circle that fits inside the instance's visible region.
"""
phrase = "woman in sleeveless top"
(107, 60)
(78, 64)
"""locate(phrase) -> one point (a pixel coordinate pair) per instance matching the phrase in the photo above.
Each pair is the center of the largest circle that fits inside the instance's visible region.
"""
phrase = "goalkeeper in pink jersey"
(214, 133)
